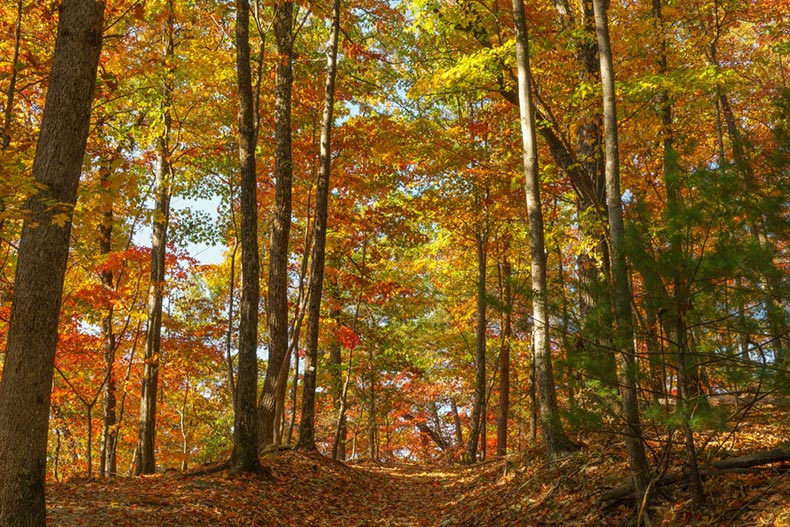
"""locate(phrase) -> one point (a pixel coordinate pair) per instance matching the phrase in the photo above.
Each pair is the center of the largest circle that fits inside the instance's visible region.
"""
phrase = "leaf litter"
(310, 490)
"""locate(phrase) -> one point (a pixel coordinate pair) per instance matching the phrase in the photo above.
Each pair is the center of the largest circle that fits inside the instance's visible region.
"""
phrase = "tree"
(163, 185)
(33, 330)
(307, 424)
(478, 410)
(551, 426)
(622, 294)
(277, 308)
(245, 426)
(506, 277)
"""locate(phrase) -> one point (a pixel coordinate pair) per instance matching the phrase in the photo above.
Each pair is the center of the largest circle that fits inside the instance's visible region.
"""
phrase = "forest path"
(309, 490)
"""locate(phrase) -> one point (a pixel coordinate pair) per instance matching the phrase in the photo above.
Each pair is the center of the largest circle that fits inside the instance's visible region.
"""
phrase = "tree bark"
(551, 426)
(163, 184)
(26, 385)
(108, 461)
(504, 373)
(480, 353)
(307, 423)
(336, 381)
(622, 295)
(277, 313)
(244, 457)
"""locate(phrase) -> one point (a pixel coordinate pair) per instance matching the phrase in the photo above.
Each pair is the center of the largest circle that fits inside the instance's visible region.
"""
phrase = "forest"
(394, 262)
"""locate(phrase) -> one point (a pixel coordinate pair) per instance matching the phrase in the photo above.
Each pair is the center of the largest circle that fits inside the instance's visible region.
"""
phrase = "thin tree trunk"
(480, 352)
(551, 425)
(307, 423)
(244, 457)
(335, 375)
(504, 373)
(229, 335)
(622, 295)
(294, 395)
(281, 225)
(146, 454)
(340, 426)
(182, 428)
(372, 426)
(108, 461)
(459, 431)
(26, 384)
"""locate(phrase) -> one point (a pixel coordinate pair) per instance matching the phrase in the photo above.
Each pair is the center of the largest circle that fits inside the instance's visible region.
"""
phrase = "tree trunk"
(459, 431)
(504, 373)
(108, 462)
(622, 295)
(281, 224)
(553, 434)
(244, 457)
(480, 353)
(341, 430)
(598, 361)
(372, 425)
(146, 454)
(43, 250)
(336, 380)
(307, 423)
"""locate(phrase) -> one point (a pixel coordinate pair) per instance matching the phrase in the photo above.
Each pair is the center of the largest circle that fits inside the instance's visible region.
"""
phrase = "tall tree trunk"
(108, 461)
(278, 255)
(595, 307)
(244, 457)
(622, 295)
(26, 385)
(146, 453)
(504, 374)
(307, 423)
(480, 352)
(551, 425)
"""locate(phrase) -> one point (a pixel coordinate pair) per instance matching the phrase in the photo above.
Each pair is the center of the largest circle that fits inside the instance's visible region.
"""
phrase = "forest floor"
(520, 490)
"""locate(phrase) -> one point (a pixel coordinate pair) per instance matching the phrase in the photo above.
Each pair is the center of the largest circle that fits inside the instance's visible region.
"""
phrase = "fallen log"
(625, 493)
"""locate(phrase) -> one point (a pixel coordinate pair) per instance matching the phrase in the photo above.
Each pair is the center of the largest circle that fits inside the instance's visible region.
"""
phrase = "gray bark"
(622, 294)
(480, 353)
(551, 426)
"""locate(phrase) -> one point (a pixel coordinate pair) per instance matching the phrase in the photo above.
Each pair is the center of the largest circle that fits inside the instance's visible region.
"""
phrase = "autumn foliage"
(427, 236)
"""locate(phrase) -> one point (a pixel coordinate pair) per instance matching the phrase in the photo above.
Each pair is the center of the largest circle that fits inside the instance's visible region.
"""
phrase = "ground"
(521, 490)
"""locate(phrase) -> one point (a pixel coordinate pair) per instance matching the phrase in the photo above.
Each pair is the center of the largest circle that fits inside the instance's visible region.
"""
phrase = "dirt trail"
(307, 490)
